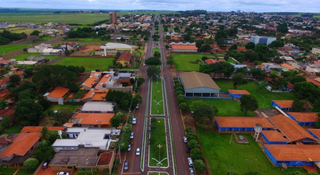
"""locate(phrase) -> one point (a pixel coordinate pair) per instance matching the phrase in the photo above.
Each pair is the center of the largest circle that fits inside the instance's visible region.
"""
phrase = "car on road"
(191, 171)
(134, 120)
(126, 165)
(45, 165)
(62, 173)
(185, 140)
(131, 135)
(137, 107)
(138, 152)
(187, 149)
(129, 147)
(190, 162)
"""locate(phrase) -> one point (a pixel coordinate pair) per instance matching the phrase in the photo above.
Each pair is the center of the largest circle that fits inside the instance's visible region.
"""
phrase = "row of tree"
(7, 37)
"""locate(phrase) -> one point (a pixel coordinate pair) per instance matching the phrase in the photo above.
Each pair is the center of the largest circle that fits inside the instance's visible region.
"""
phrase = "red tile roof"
(243, 122)
(312, 81)
(4, 93)
(287, 66)
(284, 103)
(94, 118)
(36, 129)
(290, 128)
(295, 152)
(105, 158)
(125, 57)
(316, 132)
(21, 144)
(6, 112)
(274, 136)
(234, 91)
(305, 116)
(59, 92)
(184, 47)
(241, 49)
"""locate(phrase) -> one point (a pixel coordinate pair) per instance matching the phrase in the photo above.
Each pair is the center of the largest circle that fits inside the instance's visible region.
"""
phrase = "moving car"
(185, 140)
(138, 152)
(134, 120)
(125, 165)
(137, 106)
(131, 135)
(190, 161)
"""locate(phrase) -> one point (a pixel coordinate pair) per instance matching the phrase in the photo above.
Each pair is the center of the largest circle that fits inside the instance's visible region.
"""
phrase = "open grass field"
(263, 96)
(72, 108)
(26, 55)
(157, 100)
(223, 157)
(188, 62)
(159, 137)
(89, 63)
(225, 107)
(4, 49)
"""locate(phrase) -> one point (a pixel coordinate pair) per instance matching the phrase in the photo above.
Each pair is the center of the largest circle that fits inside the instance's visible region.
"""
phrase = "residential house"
(92, 80)
(57, 95)
(97, 107)
(125, 59)
(6, 113)
(4, 93)
(6, 63)
(92, 120)
(95, 95)
(114, 81)
(212, 61)
(39, 48)
(241, 49)
(286, 67)
(272, 66)
(4, 82)
(51, 51)
(316, 50)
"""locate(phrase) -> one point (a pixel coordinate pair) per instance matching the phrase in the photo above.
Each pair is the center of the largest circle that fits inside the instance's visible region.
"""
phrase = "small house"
(234, 93)
(57, 95)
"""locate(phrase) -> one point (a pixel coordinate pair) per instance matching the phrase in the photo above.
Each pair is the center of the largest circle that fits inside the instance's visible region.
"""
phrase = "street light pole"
(159, 146)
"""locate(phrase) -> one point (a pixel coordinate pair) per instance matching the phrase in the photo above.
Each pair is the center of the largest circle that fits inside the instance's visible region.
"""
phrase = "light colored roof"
(184, 47)
(116, 46)
(284, 103)
(274, 136)
(21, 144)
(94, 118)
(97, 106)
(59, 92)
(316, 132)
(295, 152)
(305, 116)
(27, 62)
(234, 91)
(290, 128)
(243, 122)
(192, 80)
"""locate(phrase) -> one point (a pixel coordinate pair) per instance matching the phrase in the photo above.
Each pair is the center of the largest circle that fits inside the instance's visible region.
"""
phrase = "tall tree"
(115, 121)
(27, 112)
(297, 106)
(248, 102)
(153, 72)
(238, 79)
(44, 151)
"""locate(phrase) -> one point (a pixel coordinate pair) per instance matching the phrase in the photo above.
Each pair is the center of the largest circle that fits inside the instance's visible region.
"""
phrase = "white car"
(185, 140)
(138, 152)
(134, 120)
(131, 135)
(62, 173)
(129, 147)
(137, 106)
(190, 162)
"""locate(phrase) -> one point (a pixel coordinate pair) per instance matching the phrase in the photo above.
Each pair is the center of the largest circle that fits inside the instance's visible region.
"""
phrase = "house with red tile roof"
(92, 80)
(95, 95)
(241, 49)
(92, 120)
(184, 48)
(125, 59)
(57, 95)
(4, 82)
(6, 113)
(304, 118)
(20, 150)
(38, 129)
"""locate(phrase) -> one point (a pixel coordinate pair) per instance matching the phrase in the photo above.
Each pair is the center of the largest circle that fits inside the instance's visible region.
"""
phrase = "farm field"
(188, 62)
(223, 157)
(263, 96)
(89, 63)
(159, 137)
(26, 55)
(4, 49)
(157, 100)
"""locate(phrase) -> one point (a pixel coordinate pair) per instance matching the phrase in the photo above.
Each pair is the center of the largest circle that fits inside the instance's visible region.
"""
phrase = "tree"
(238, 79)
(15, 79)
(276, 44)
(35, 33)
(170, 62)
(306, 90)
(5, 122)
(297, 79)
(153, 72)
(283, 28)
(193, 144)
(248, 102)
(135, 101)
(318, 123)
(44, 151)
(199, 166)
(140, 80)
(250, 45)
(45, 133)
(153, 61)
(297, 106)
(87, 172)
(28, 72)
(191, 136)
(251, 55)
(181, 99)
(203, 111)
(115, 121)
(183, 106)
(3, 104)
(157, 54)
(28, 112)
(196, 154)
(257, 73)
(31, 164)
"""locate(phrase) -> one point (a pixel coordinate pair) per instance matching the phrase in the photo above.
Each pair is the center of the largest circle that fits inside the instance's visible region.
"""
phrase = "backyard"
(12, 47)
(157, 100)
(89, 63)
(263, 96)
(65, 107)
(188, 62)
(26, 55)
(158, 135)
(223, 157)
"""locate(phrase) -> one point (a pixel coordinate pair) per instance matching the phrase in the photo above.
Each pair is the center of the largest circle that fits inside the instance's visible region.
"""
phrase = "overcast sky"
(210, 5)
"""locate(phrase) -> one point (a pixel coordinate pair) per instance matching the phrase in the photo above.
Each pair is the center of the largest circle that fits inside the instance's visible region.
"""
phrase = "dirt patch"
(83, 77)
(89, 48)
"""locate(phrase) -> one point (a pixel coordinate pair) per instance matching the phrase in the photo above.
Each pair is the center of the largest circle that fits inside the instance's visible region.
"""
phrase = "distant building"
(111, 49)
(184, 47)
(316, 50)
(113, 17)
(262, 39)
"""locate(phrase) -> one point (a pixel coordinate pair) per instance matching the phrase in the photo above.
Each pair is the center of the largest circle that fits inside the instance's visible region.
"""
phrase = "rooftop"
(58, 92)
(184, 47)
(196, 79)
(274, 136)
(125, 57)
(35, 129)
(93, 118)
(305, 116)
(287, 66)
(284, 103)
(116, 46)
(295, 152)
(316, 132)
(243, 122)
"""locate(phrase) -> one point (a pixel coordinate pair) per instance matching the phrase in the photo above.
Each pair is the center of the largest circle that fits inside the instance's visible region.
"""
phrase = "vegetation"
(158, 136)
(31, 164)
(188, 62)
(157, 100)
(24, 56)
(89, 63)
(153, 72)
(5, 49)
(248, 102)
(116, 120)
(220, 68)
(7, 37)
(44, 151)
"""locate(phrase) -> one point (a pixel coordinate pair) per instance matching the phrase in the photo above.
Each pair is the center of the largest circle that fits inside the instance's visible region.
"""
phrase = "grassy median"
(158, 136)
(157, 100)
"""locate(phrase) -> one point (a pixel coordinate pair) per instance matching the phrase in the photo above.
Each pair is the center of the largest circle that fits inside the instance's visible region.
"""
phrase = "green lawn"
(263, 96)
(159, 137)
(156, 49)
(72, 108)
(4, 49)
(7, 171)
(157, 106)
(12, 129)
(225, 107)
(23, 172)
(26, 55)
(223, 157)
(90, 63)
(188, 62)
(231, 61)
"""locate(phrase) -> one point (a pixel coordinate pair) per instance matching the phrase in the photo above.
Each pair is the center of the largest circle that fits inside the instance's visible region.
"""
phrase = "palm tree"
(45, 133)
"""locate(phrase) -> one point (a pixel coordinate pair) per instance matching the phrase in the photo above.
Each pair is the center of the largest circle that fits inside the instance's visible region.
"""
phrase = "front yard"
(89, 63)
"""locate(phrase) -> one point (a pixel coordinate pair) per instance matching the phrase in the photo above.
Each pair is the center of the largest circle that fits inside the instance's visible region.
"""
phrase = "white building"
(316, 50)
(262, 39)
(111, 49)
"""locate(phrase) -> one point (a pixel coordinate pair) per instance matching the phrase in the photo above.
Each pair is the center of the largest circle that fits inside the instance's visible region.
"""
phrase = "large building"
(113, 17)
(199, 84)
(262, 39)
(111, 49)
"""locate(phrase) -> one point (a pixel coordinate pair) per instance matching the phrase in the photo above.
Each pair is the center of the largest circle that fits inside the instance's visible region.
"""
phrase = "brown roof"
(184, 47)
(316, 132)
(59, 92)
(4, 93)
(243, 122)
(125, 57)
(284, 103)
(233, 91)
(305, 116)
(290, 128)
(21, 144)
(87, 156)
(35, 129)
(312, 81)
(295, 152)
(274, 136)
(196, 79)
(105, 158)
(96, 95)
(287, 66)
(6, 112)
(94, 118)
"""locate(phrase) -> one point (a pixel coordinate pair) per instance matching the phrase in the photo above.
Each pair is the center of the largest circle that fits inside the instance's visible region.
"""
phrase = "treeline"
(7, 37)
(88, 32)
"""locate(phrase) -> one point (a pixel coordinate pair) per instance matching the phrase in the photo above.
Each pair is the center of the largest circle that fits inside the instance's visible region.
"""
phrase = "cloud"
(210, 5)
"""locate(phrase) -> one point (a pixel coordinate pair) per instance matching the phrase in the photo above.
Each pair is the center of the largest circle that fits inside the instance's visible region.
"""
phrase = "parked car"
(191, 171)
(134, 120)
(190, 161)
(137, 107)
(187, 149)
(185, 140)
(62, 173)
(129, 147)
(45, 165)
(131, 135)
(138, 152)
(125, 165)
